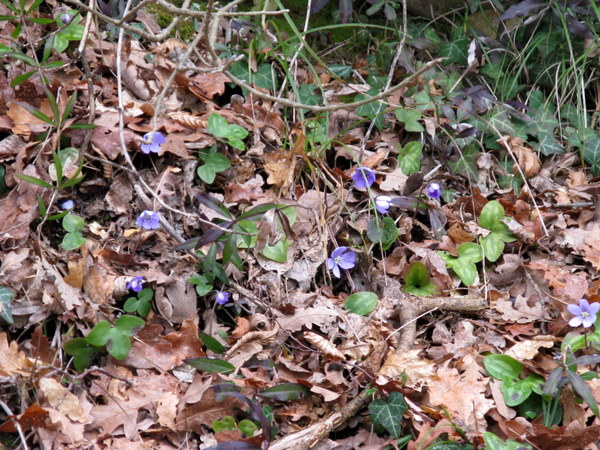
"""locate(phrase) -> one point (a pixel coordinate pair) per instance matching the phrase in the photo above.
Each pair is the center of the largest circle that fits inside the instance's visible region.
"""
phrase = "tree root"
(409, 308)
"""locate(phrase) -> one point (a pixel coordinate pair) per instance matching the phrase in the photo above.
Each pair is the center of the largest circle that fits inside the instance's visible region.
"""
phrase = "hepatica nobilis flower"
(154, 146)
(136, 284)
(148, 220)
(383, 203)
(222, 297)
(585, 313)
(434, 190)
(363, 177)
(341, 258)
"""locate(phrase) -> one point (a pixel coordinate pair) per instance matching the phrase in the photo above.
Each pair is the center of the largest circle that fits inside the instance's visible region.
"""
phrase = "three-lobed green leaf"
(221, 129)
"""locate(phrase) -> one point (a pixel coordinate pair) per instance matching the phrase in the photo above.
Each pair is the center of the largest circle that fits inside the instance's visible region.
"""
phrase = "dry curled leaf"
(323, 345)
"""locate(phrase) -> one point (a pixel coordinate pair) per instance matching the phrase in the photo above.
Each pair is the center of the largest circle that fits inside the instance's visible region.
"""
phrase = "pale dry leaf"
(166, 410)
(463, 396)
(419, 371)
(63, 400)
(520, 312)
(323, 345)
(328, 395)
(12, 360)
(529, 349)
(316, 315)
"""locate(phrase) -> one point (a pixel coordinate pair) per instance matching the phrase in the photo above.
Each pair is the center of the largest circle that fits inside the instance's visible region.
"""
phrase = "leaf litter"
(281, 348)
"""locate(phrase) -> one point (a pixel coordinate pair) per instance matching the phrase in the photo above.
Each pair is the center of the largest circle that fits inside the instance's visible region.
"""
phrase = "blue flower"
(148, 220)
(222, 297)
(434, 190)
(585, 314)
(341, 258)
(136, 284)
(154, 146)
(383, 203)
(67, 204)
(363, 177)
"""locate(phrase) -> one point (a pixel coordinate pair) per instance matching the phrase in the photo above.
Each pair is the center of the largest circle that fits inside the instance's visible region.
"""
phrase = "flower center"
(338, 259)
(585, 314)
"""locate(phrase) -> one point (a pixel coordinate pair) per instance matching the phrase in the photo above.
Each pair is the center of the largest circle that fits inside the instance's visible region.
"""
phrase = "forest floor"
(265, 233)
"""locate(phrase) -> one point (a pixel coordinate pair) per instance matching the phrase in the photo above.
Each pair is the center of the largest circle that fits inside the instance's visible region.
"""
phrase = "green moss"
(185, 28)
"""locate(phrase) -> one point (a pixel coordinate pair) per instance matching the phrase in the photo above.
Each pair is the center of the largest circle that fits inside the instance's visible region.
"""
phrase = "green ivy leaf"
(409, 158)
(6, 295)
(410, 118)
(361, 303)
(502, 367)
(389, 414)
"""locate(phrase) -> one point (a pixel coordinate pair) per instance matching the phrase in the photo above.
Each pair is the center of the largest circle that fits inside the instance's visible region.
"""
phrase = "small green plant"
(417, 280)
(69, 30)
(463, 265)
(508, 370)
(493, 442)
(491, 218)
(231, 134)
(141, 304)
(228, 423)
(213, 163)
(382, 231)
(410, 118)
(409, 159)
(116, 340)
(73, 225)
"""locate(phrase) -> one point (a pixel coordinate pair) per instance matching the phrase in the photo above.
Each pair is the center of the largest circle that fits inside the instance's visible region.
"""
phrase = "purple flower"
(222, 297)
(154, 146)
(343, 258)
(148, 220)
(585, 314)
(363, 177)
(434, 190)
(66, 18)
(383, 203)
(136, 284)
(67, 204)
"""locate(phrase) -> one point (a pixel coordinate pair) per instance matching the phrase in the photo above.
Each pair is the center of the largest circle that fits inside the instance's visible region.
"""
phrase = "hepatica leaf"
(361, 303)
